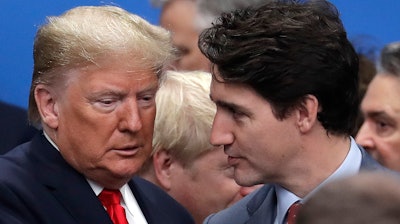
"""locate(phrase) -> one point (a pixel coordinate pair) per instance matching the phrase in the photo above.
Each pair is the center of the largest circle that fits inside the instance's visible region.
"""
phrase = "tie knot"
(110, 197)
(292, 212)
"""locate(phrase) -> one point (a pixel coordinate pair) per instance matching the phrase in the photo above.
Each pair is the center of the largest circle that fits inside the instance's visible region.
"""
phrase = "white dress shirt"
(132, 209)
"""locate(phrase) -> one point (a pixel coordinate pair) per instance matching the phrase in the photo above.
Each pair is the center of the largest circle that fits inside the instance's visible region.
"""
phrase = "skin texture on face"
(178, 17)
(102, 120)
(380, 132)
(206, 186)
(260, 147)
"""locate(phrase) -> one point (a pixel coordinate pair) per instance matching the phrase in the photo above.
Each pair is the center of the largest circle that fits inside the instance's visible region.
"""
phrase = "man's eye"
(106, 101)
(382, 124)
(235, 113)
(105, 104)
(182, 51)
(383, 128)
(146, 100)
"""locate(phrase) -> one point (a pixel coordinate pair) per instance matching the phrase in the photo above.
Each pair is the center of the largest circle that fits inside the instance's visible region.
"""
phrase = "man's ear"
(47, 106)
(307, 113)
(162, 168)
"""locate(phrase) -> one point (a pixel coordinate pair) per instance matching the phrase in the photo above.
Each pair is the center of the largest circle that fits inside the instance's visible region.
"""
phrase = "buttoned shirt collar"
(350, 166)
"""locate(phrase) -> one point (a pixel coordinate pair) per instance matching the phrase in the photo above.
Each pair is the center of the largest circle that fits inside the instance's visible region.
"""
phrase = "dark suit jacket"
(259, 207)
(38, 186)
(14, 127)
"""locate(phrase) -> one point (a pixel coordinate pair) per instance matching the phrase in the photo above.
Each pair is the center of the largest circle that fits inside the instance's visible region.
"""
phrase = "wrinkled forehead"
(112, 66)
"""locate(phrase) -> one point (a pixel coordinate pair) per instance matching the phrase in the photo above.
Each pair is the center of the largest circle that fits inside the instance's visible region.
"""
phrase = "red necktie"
(292, 212)
(111, 201)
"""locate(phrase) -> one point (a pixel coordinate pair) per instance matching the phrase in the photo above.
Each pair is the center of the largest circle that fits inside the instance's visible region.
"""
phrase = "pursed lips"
(232, 158)
(232, 161)
(128, 150)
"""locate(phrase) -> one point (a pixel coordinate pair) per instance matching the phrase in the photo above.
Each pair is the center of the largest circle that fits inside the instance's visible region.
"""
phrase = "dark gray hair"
(390, 59)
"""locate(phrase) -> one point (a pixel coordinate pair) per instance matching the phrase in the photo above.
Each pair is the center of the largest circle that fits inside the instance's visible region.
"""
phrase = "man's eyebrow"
(378, 114)
(150, 88)
(372, 113)
(233, 106)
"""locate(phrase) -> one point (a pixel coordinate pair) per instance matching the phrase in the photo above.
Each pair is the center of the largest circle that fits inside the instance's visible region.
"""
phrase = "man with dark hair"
(286, 88)
(380, 132)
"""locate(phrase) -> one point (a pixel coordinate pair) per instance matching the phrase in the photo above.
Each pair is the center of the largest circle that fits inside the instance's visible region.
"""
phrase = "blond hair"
(184, 116)
(91, 35)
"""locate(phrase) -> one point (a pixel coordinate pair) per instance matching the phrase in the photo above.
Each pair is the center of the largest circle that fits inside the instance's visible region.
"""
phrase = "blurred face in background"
(178, 17)
(380, 132)
(207, 185)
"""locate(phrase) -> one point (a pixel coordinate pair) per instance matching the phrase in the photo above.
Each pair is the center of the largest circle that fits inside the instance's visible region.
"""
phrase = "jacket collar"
(68, 186)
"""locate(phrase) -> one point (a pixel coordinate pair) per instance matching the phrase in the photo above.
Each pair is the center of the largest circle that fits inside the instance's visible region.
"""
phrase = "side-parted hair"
(390, 59)
(286, 50)
(184, 115)
(92, 35)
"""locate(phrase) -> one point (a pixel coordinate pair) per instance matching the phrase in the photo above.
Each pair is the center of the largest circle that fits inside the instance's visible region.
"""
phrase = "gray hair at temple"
(389, 62)
(95, 35)
(209, 10)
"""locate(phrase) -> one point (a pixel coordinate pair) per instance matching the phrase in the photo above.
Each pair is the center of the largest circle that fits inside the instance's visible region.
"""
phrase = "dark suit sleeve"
(12, 208)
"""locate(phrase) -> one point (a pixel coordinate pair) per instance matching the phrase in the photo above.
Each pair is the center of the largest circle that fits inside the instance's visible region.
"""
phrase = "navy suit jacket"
(38, 186)
(260, 206)
(14, 127)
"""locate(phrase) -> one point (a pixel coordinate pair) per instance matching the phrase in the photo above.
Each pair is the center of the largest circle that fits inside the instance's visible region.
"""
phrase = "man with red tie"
(96, 74)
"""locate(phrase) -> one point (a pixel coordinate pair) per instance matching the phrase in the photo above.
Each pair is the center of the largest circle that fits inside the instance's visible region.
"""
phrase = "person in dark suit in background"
(96, 74)
(14, 128)
(285, 83)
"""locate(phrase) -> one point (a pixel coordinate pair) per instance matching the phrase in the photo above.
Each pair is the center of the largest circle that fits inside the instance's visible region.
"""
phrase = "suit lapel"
(142, 202)
(151, 211)
(69, 187)
(262, 207)
(367, 162)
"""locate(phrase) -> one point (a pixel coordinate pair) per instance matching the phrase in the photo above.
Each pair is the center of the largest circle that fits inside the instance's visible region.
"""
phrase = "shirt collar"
(51, 141)
(285, 200)
(128, 200)
(350, 166)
